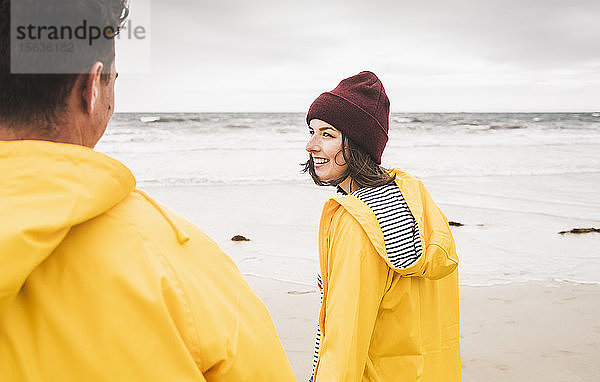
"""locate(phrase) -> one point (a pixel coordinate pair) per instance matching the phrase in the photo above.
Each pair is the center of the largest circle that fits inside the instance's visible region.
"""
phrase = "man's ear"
(91, 89)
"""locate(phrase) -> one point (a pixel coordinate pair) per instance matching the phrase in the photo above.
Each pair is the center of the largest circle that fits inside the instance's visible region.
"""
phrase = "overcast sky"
(276, 55)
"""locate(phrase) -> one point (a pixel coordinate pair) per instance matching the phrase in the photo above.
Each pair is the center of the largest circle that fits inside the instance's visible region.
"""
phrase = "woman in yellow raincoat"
(389, 278)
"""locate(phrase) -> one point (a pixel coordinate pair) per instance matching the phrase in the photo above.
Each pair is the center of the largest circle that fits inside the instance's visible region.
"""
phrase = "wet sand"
(519, 332)
(522, 331)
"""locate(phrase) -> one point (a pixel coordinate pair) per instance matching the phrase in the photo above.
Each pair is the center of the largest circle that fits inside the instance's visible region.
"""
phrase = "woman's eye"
(310, 132)
(328, 135)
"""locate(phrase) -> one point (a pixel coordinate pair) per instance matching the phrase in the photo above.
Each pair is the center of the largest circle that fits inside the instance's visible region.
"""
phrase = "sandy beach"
(524, 316)
(521, 332)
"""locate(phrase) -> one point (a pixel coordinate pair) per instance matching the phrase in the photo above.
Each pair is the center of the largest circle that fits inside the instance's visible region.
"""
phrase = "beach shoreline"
(516, 322)
(533, 331)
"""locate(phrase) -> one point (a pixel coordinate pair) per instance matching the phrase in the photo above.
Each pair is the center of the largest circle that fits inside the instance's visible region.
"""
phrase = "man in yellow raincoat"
(97, 281)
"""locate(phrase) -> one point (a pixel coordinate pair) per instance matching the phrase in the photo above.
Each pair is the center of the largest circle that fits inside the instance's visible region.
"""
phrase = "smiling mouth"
(318, 161)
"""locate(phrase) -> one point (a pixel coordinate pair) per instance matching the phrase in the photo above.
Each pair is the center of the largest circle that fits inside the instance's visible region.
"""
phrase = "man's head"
(71, 107)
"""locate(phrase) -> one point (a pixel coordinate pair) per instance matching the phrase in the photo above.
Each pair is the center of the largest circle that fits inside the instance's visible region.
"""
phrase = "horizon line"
(394, 112)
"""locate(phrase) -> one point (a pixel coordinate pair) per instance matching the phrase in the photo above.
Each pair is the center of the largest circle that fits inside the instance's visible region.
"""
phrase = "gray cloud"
(285, 52)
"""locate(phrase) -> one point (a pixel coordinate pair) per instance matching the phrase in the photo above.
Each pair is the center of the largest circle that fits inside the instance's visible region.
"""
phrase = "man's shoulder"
(150, 218)
(139, 227)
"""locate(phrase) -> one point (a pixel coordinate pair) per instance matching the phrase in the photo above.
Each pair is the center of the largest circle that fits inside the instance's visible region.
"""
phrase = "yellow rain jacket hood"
(100, 283)
(387, 316)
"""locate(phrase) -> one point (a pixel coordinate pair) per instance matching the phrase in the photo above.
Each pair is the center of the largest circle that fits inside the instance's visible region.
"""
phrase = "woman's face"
(325, 148)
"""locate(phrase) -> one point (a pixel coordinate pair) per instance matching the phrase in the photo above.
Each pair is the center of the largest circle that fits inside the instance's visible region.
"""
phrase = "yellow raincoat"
(100, 283)
(380, 322)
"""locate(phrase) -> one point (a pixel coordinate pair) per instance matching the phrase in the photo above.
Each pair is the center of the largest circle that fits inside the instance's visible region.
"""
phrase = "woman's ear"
(345, 148)
(343, 151)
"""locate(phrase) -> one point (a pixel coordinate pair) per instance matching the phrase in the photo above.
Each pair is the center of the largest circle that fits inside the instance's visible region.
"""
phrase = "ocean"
(514, 180)
(232, 148)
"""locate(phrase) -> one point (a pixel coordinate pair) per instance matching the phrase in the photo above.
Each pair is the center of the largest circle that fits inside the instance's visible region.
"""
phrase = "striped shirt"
(400, 230)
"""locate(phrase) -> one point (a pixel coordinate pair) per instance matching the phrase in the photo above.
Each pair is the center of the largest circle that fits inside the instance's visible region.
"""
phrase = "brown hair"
(362, 168)
(40, 98)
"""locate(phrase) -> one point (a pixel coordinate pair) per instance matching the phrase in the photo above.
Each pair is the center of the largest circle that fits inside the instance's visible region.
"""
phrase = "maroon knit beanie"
(359, 108)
